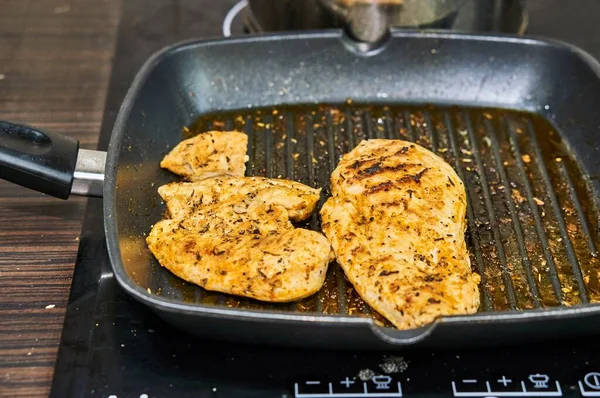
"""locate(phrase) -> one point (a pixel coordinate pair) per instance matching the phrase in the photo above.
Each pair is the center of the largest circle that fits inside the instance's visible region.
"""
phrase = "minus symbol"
(469, 381)
(313, 383)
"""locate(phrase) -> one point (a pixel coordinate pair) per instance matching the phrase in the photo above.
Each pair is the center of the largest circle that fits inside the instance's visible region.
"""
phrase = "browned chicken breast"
(396, 221)
(234, 235)
(184, 199)
(208, 155)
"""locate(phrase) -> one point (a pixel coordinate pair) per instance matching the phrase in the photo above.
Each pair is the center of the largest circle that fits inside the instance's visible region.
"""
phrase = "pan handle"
(48, 162)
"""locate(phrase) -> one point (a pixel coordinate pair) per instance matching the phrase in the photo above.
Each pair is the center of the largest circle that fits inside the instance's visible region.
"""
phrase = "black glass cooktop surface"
(113, 346)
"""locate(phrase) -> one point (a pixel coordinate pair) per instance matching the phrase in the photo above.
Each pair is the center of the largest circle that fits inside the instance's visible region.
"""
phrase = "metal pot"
(370, 20)
(507, 16)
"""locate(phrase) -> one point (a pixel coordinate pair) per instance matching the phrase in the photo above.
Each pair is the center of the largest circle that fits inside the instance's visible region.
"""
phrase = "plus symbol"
(347, 382)
(504, 381)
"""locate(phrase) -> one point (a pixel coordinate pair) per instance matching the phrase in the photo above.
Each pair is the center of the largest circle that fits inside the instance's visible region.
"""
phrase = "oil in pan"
(532, 220)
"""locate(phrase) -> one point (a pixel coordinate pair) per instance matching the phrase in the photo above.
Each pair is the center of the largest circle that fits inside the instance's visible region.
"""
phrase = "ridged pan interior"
(532, 219)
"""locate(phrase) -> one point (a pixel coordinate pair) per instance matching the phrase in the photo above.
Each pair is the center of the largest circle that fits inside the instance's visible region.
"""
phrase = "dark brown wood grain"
(55, 58)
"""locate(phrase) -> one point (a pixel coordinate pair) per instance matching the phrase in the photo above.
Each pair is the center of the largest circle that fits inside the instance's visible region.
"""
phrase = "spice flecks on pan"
(532, 220)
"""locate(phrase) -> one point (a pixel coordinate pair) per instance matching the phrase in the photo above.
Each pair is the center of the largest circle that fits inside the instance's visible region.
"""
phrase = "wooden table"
(55, 58)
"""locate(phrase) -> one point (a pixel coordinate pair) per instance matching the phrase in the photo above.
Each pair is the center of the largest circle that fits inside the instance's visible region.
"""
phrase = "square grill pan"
(515, 118)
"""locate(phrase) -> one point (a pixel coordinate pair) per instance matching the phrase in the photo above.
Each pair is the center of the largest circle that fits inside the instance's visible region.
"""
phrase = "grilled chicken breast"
(208, 155)
(396, 221)
(184, 199)
(234, 235)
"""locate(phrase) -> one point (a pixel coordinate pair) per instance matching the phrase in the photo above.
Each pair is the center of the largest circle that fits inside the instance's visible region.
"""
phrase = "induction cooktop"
(113, 346)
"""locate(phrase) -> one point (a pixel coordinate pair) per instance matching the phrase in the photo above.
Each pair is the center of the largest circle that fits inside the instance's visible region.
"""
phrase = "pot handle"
(46, 162)
(367, 23)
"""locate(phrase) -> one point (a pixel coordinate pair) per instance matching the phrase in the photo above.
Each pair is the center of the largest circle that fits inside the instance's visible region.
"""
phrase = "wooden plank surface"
(55, 58)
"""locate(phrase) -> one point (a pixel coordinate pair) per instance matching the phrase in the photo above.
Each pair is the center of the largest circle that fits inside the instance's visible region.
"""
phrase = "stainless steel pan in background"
(507, 16)
(531, 180)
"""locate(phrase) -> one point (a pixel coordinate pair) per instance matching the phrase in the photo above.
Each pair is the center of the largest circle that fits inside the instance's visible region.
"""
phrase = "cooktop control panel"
(377, 386)
(504, 385)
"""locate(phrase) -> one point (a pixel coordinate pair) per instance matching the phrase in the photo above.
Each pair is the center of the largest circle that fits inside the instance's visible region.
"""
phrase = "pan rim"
(390, 335)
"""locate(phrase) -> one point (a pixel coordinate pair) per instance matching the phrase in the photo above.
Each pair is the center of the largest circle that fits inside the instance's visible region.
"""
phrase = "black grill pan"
(533, 217)
(516, 117)
(533, 220)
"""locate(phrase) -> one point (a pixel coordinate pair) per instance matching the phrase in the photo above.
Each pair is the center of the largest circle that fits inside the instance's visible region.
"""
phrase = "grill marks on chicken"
(234, 235)
(208, 155)
(396, 221)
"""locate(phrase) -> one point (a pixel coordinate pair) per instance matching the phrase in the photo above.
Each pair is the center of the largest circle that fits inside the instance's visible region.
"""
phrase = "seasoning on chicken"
(234, 235)
(396, 221)
(183, 200)
(208, 155)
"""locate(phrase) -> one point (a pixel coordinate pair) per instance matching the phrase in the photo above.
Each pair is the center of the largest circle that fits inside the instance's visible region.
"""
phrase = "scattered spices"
(538, 202)
(517, 196)
(526, 158)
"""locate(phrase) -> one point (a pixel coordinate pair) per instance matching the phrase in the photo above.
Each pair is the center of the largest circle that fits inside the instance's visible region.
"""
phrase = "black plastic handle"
(38, 160)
